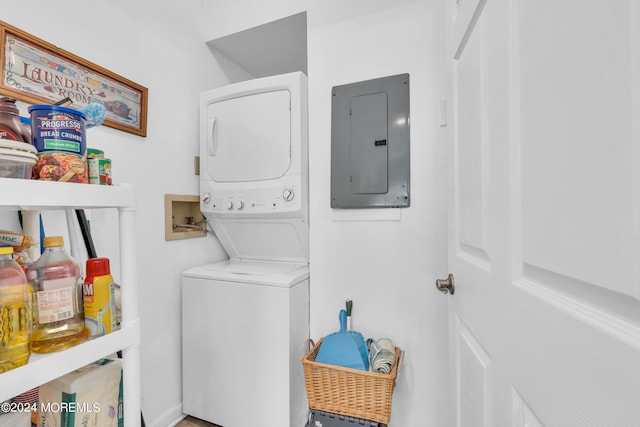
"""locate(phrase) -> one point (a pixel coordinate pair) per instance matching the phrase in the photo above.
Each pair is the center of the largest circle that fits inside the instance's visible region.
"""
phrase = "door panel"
(473, 379)
(575, 139)
(523, 416)
(470, 213)
(571, 372)
(543, 212)
(471, 146)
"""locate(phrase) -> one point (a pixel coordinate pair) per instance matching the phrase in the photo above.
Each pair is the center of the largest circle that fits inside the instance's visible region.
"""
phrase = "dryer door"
(249, 138)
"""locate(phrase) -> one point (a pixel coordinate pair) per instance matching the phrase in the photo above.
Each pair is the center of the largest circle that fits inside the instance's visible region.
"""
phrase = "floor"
(194, 422)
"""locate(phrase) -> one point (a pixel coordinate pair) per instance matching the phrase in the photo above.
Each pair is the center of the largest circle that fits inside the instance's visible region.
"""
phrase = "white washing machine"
(244, 328)
(246, 320)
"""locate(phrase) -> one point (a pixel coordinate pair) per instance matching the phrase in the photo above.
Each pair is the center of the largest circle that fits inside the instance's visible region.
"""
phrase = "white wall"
(387, 267)
(170, 59)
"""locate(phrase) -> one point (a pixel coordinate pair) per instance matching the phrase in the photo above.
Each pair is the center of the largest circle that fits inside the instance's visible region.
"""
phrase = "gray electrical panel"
(370, 144)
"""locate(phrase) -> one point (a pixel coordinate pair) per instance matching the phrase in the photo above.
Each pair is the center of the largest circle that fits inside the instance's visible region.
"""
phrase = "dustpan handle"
(308, 345)
(343, 320)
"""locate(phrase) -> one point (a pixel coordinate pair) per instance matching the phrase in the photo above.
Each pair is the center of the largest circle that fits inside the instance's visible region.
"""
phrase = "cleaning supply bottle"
(58, 307)
(99, 298)
(15, 313)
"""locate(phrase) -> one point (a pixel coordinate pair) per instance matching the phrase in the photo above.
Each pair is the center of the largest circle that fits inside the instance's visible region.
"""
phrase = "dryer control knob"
(288, 194)
(206, 198)
(229, 205)
(240, 204)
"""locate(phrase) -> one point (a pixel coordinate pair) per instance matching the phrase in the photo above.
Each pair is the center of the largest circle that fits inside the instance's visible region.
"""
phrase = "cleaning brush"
(95, 114)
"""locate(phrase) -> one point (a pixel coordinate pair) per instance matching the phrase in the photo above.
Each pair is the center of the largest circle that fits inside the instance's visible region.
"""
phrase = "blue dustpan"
(344, 348)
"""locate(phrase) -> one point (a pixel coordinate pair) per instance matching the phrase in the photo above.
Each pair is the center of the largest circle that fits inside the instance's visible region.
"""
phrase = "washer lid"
(280, 274)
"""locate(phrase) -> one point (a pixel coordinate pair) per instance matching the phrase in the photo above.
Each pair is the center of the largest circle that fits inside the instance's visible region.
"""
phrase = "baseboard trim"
(169, 419)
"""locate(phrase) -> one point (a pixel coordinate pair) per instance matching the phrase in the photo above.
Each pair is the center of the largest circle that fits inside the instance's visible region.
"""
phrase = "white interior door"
(544, 212)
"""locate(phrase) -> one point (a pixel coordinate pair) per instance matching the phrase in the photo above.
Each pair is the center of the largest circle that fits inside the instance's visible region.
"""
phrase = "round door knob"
(229, 205)
(446, 285)
(288, 194)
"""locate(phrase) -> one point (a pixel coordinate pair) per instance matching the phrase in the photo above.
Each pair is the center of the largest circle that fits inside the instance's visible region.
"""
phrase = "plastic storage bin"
(16, 159)
(327, 419)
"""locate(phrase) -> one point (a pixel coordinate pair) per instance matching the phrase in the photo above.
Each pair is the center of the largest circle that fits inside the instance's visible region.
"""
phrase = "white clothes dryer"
(254, 167)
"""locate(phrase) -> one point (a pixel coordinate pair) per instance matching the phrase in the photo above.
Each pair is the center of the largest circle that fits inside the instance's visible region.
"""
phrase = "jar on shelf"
(15, 313)
(58, 312)
(10, 125)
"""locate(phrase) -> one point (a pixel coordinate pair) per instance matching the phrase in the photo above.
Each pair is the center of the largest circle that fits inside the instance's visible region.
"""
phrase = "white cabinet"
(27, 195)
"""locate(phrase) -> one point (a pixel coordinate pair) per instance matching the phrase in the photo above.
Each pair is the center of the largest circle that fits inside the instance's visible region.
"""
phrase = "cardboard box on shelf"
(85, 397)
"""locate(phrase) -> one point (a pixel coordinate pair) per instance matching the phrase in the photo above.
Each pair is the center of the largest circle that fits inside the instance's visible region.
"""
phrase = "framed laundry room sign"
(38, 72)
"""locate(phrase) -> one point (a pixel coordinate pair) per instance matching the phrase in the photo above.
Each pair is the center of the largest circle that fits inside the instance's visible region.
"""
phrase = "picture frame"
(37, 72)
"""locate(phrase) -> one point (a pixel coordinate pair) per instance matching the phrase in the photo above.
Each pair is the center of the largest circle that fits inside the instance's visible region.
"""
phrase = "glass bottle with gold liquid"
(58, 310)
(15, 313)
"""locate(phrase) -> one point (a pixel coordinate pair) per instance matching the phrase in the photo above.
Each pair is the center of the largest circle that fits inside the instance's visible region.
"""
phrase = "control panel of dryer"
(284, 197)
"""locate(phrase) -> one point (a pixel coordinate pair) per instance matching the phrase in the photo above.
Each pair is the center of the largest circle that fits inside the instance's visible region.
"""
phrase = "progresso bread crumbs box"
(58, 133)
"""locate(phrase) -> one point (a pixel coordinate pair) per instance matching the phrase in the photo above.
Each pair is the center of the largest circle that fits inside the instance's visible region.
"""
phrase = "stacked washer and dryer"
(246, 319)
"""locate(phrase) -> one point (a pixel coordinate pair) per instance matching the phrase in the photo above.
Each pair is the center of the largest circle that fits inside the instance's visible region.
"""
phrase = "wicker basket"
(349, 392)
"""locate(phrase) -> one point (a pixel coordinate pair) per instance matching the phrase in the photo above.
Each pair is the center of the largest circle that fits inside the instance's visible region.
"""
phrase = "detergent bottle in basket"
(58, 307)
(15, 313)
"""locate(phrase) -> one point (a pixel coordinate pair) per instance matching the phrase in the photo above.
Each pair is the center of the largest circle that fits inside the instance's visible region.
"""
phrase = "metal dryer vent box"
(370, 144)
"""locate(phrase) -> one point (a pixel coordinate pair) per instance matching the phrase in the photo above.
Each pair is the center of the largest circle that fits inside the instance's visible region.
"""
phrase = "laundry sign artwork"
(35, 71)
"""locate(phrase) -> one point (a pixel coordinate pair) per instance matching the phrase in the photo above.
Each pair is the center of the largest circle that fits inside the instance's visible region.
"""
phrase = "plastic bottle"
(22, 257)
(15, 313)
(58, 310)
(10, 126)
(21, 244)
(99, 298)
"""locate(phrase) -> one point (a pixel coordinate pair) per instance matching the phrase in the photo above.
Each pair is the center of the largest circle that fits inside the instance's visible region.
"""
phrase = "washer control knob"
(240, 205)
(206, 198)
(288, 194)
(229, 205)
